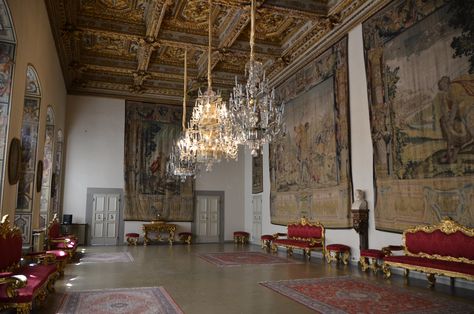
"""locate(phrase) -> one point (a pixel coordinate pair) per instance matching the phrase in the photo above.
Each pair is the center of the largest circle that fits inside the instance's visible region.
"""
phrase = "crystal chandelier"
(253, 106)
(212, 130)
(182, 160)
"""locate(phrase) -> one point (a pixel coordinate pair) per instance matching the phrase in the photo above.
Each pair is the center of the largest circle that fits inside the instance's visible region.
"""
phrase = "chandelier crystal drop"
(182, 160)
(212, 129)
(253, 106)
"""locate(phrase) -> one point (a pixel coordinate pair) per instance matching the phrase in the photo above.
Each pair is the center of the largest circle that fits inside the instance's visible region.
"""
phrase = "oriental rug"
(228, 259)
(354, 295)
(116, 257)
(115, 301)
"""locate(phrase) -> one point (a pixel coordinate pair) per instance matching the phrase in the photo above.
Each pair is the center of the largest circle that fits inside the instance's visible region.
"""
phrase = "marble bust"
(359, 202)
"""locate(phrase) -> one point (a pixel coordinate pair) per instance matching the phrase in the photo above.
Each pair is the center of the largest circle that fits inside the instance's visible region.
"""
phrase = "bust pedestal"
(360, 221)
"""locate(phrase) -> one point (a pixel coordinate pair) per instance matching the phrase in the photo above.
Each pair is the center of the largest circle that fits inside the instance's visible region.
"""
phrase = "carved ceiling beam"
(291, 8)
(154, 17)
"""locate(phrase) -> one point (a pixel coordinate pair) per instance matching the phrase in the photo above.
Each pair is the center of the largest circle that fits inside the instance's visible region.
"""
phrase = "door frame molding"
(221, 195)
(90, 193)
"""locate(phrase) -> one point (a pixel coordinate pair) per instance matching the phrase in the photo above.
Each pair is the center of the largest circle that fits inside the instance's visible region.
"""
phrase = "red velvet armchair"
(21, 285)
(58, 241)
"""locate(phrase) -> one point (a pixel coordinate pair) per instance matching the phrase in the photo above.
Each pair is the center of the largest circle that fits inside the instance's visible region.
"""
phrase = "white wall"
(361, 153)
(94, 149)
(95, 158)
(35, 46)
(227, 176)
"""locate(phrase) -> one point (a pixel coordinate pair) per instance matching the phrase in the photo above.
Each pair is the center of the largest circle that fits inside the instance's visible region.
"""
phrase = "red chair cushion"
(372, 253)
(432, 263)
(132, 235)
(266, 237)
(60, 255)
(338, 248)
(241, 233)
(36, 275)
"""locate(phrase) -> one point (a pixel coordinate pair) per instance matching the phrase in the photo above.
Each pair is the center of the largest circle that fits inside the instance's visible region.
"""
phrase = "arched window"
(45, 209)
(29, 140)
(7, 56)
(56, 179)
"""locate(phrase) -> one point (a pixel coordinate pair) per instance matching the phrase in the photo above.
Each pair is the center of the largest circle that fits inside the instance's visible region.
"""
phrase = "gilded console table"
(158, 228)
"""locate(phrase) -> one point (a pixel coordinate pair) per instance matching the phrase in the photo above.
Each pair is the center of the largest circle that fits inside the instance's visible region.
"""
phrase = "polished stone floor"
(198, 286)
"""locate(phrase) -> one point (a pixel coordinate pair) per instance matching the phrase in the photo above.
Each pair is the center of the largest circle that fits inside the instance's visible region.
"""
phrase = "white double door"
(256, 218)
(105, 219)
(207, 220)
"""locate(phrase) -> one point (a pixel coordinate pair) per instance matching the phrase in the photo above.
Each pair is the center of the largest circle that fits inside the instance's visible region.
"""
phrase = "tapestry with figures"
(420, 66)
(150, 192)
(310, 166)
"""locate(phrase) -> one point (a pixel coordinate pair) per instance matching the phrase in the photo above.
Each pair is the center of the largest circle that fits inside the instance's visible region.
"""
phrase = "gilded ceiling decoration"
(135, 48)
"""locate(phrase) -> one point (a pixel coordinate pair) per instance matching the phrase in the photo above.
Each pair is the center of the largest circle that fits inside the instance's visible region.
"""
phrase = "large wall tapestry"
(421, 91)
(310, 167)
(150, 132)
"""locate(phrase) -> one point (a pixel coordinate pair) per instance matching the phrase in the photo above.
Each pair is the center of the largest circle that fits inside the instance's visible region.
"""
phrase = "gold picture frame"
(14, 161)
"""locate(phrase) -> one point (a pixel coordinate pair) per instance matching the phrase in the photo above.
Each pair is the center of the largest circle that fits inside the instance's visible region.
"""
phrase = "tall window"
(7, 55)
(45, 209)
(29, 140)
(56, 179)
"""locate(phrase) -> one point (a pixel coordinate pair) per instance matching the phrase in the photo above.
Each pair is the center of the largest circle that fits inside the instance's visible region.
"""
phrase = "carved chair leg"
(345, 257)
(406, 272)
(24, 308)
(386, 271)
(328, 257)
(431, 279)
(289, 251)
(363, 263)
(308, 253)
(274, 248)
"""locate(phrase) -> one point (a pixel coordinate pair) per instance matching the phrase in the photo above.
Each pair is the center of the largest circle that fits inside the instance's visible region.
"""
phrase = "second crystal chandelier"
(258, 118)
(211, 125)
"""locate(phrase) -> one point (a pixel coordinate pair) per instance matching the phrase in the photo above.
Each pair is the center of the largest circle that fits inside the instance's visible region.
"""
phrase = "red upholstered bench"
(21, 285)
(241, 237)
(185, 237)
(132, 238)
(443, 249)
(301, 235)
(338, 252)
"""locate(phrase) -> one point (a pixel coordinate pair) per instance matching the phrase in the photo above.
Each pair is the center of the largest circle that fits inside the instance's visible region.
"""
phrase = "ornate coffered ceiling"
(134, 48)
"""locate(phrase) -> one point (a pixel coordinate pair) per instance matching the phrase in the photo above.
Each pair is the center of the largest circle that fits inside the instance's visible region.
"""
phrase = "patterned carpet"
(356, 295)
(118, 257)
(227, 259)
(116, 301)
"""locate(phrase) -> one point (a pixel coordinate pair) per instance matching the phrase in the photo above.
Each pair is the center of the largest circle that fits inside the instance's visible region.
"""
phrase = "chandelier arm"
(209, 79)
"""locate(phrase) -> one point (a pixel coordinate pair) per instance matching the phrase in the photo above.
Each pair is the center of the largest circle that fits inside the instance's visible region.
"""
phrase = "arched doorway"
(57, 174)
(45, 209)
